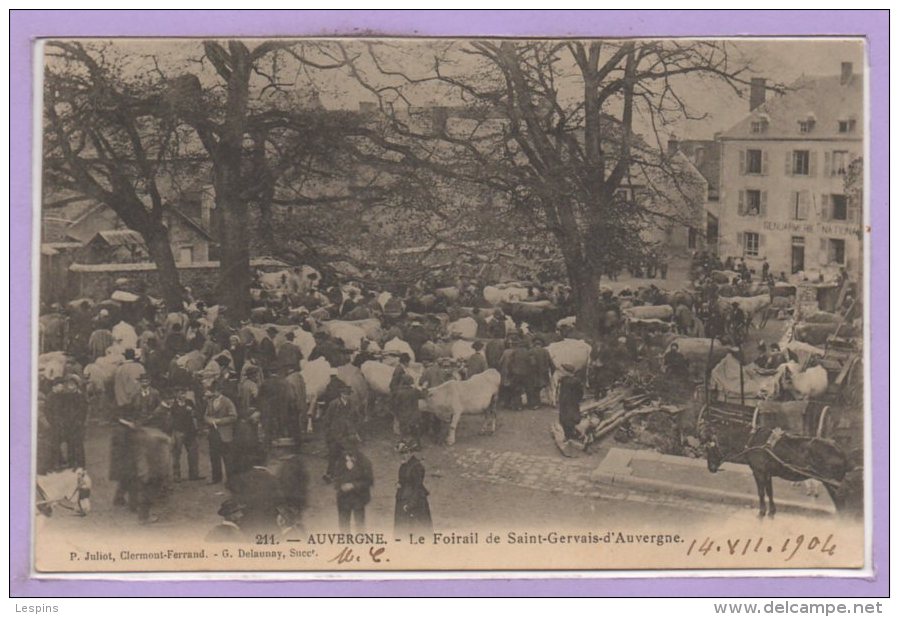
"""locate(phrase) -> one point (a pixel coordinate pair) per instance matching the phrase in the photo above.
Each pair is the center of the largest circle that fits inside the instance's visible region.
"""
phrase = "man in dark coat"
(229, 529)
(66, 411)
(289, 354)
(676, 365)
(221, 416)
(571, 391)
(175, 342)
(416, 336)
(279, 414)
(353, 480)
(185, 431)
(496, 328)
(521, 373)
(412, 512)
(265, 351)
(341, 425)
(543, 367)
(476, 362)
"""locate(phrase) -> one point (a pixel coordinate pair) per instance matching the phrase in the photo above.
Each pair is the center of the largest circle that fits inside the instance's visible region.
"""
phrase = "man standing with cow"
(341, 426)
(221, 415)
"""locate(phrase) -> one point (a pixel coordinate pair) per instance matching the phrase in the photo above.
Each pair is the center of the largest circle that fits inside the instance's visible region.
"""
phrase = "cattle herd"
(464, 347)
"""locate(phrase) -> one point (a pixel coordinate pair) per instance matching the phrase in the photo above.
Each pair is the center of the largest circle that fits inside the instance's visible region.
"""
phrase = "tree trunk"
(160, 249)
(585, 287)
(234, 269)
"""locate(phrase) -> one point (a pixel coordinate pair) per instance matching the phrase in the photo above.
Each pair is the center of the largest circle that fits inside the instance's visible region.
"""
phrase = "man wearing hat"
(571, 391)
(353, 480)
(676, 365)
(341, 425)
(436, 373)
(221, 415)
(543, 367)
(477, 362)
(66, 411)
(289, 354)
(265, 350)
(229, 529)
(126, 384)
(185, 428)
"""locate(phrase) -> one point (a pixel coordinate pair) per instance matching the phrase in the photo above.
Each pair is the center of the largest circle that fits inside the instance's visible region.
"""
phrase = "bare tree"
(108, 138)
(551, 127)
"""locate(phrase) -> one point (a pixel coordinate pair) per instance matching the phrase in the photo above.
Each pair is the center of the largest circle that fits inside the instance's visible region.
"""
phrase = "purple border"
(26, 25)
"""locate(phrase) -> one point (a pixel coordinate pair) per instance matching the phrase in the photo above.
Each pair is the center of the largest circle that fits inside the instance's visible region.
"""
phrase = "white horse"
(69, 488)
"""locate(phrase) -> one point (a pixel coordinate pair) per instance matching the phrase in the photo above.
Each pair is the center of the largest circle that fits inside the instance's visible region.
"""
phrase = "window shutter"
(803, 204)
(742, 162)
(852, 214)
(825, 207)
(761, 243)
(812, 163)
(822, 252)
(788, 163)
(763, 205)
(764, 163)
(740, 246)
(741, 209)
(828, 165)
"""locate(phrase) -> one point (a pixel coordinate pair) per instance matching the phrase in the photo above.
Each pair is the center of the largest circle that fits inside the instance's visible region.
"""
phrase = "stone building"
(783, 170)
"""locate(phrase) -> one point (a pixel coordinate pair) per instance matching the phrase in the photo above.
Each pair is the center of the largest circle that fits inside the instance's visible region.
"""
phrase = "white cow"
(567, 351)
(125, 335)
(350, 334)
(461, 350)
(504, 293)
(316, 375)
(663, 312)
(475, 395)
(398, 346)
(51, 365)
(750, 304)
(299, 280)
(379, 374)
(466, 327)
(450, 293)
(808, 384)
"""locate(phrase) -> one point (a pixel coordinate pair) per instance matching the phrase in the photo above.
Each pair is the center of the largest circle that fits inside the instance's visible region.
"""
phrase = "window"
(839, 161)
(623, 195)
(753, 202)
(186, 254)
(750, 244)
(838, 209)
(836, 251)
(806, 126)
(799, 205)
(846, 126)
(692, 237)
(798, 241)
(754, 161)
(800, 162)
(758, 126)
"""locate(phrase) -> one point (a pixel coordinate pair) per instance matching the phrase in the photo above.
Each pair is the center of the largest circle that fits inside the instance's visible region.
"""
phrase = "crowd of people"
(193, 372)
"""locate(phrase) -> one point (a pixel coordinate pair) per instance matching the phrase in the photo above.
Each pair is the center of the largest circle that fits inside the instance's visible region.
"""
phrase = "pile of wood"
(601, 418)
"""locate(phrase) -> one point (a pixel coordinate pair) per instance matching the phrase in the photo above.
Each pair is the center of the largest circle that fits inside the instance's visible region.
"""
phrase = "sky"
(779, 60)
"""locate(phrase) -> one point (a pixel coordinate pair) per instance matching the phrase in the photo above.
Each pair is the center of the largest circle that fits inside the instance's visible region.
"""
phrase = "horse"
(69, 488)
(770, 452)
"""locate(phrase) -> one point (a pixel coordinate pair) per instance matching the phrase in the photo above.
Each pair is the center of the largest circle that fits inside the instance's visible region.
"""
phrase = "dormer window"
(846, 125)
(759, 124)
(807, 124)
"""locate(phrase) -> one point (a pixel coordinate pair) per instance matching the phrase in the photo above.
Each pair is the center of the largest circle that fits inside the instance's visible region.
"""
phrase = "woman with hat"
(412, 512)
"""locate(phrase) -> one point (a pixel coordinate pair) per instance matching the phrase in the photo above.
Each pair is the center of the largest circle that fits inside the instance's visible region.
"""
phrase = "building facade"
(783, 170)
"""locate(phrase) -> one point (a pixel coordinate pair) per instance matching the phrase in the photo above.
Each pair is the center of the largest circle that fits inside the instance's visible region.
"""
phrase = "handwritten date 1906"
(746, 546)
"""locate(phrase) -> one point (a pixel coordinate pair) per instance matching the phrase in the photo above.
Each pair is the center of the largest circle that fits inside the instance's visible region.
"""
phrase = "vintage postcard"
(448, 304)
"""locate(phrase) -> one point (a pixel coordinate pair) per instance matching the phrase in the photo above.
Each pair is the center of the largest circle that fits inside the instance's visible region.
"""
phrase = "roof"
(705, 155)
(147, 266)
(823, 98)
(119, 237)
(99, 207)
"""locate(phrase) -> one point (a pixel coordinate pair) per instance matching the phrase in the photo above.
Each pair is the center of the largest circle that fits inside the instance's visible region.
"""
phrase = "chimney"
(845, 73)
(756, 92)
(673, 145)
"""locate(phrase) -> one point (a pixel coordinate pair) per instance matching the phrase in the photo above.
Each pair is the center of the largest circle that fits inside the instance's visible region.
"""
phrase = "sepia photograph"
(451, 304)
